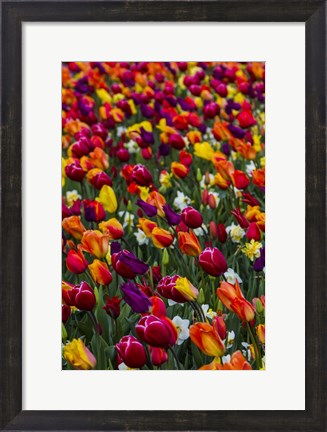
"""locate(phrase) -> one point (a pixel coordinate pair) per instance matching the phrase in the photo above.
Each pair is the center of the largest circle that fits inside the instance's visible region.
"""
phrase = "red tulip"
(213, 261)
(131, 351)
(192, 217)
(157, 332)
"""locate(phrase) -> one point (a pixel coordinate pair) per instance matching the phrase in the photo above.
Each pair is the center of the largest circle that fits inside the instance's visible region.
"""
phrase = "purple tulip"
(147, 137)
(171, 217)
(127, 265)
(135, 298)
(115, 247)
(260, 262)
(148, 209)
(236, 131)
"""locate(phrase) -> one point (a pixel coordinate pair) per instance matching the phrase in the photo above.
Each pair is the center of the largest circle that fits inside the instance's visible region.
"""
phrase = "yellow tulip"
(107, 198)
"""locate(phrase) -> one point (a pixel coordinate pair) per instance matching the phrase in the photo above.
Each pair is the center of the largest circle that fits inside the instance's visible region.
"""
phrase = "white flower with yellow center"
(230, 339)
(181, 201)
(208, 312)
(182, 329)
(231, 276)
(236, 232)
(141, 237)
(252, 249)
(72, 196)
(225, 359)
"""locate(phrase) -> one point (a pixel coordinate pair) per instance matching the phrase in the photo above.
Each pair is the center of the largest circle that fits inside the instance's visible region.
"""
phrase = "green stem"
(175, 357)
(255, 346)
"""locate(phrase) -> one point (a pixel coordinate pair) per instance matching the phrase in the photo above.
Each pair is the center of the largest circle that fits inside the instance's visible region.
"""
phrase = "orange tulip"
(221, 182)
(147, 226)
(161, 238)
(258, 177)
(207, 339)
(157, 200)
(232, 297)
(260, 330)
(237, 362)
(95, 243)
(74, 226)
(179, 170)
(113, 228)
(100, 272)
(189, 243)
(225, 168)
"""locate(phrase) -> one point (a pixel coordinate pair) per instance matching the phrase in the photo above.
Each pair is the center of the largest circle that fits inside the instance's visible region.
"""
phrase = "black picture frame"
(13, 14)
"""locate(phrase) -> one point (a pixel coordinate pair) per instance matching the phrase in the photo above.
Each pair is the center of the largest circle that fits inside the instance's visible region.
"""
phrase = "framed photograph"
(164, 163)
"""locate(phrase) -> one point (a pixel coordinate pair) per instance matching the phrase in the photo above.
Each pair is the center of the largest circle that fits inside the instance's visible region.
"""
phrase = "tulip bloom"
(76, 262)
(80, 357)
(213, 261)
(219, 325)
(158, 356)
(135, 298)
(74, 226)
(189, 243)
(179, 170)
(253, 232)
(127, 265)
(258, 177)
(98, 178)
(113, 228)
(232, 297)
(222, 234)
(237, 362)
(141, 175)
(112, 306)
(177, 288)
(93, 211)
(240, 179)
(260, 330)
(148, 209)
(158, 201)
(131, 351)
(81, 296)
(157, 332)
(207, 339)
(74, 171)
(147, 226)
(192, 217)
(161, 238)
(108, 199)
(95, 243)
(100, 272)
(171, 217)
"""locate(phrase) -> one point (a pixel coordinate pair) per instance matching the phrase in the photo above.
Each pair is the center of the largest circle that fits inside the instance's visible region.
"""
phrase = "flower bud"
(131, 351)
(192, 217)
(213, 261)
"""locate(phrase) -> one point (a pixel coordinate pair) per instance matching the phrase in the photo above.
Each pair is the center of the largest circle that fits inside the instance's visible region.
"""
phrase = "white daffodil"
(209, 313)
(141, 237)
(230, 339)
(201, 230)
(132, 147)
(226, 358)
(182, 329)
(246, 352)
(249, 168)
(231, 276)
(128, 218)
(72, 196)
(181, 201)
(120, 130)
(236, 232)
(122, 366)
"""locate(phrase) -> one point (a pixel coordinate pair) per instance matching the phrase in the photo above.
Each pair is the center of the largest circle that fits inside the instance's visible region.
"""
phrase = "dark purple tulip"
(202, 128)
(225, 148)
(236, 131)
(171, 217)
(148, 209)
(115, 247)
(164, 149)
(260, 262)
(147, 111)
(147, 137)
(126, 264)
(135, 298)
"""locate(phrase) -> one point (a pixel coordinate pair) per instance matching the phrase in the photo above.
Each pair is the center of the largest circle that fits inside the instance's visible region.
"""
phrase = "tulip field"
(163, 216)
